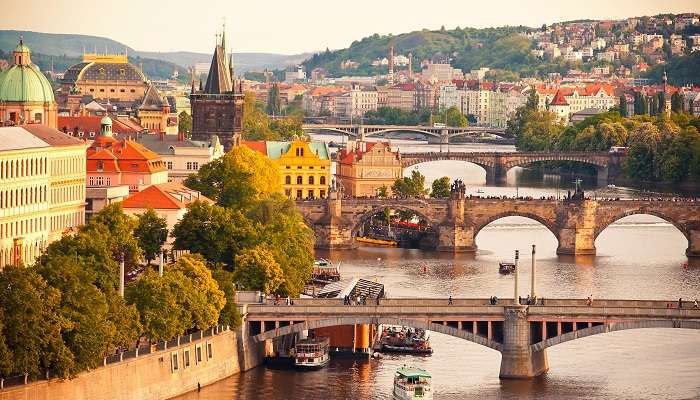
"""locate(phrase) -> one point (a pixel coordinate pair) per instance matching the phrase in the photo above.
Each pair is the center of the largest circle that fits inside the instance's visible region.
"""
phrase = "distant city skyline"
(288, 28)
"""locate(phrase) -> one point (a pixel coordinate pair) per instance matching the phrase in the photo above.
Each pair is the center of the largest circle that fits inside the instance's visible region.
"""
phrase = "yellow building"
(42, 189)
(364, 167)
(305, 166)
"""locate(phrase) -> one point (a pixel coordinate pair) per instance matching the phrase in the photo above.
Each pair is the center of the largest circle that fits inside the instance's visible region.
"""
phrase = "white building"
(356, 102)
(441, 73)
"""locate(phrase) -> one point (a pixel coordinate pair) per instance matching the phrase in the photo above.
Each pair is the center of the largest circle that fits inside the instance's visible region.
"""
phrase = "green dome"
(25, 83)
(106, 120)
(21, 48)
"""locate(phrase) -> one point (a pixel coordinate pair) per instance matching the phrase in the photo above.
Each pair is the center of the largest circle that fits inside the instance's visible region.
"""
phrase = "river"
(639, 257)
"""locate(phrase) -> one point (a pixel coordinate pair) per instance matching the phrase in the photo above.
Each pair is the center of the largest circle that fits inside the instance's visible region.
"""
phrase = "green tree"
(441, 188)
(382, 191)
(215, 232)
(159, 303)
(639, 163)
(273, 100)
(237, 179)
(88, 332)
(256, 124)
(151, 232)
(257, 269)
(32, 323)
(410, 187)
(676, 103)
(184, 123)
(288, 128)
(540, 131)
(201, 295)
(515, 125)
(229, 315)
(118, 229)
(452, 117)
(623, 105)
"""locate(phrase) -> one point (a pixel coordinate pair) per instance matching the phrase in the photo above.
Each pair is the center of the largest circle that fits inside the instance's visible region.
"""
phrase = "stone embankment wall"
(151, 376)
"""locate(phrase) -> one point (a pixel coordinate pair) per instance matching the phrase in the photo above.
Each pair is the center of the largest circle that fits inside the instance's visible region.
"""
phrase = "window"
(311, 180)
(174, 365)
(299, 180)
(322, 180)
(287, 180)
(210, 354)
(311, 194)
(288, 167)
(322, 194)
(299, 194)
(37, 118)
(122, 90)
(288, 193)
(102, 90)
(133, 91)
(198, 354)
(186, 358)
(100, 165)
(111, 90)
(298, 166)
(169, 164)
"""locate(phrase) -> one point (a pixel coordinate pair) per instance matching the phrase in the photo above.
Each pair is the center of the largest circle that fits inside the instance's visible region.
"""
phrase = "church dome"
(23, 81)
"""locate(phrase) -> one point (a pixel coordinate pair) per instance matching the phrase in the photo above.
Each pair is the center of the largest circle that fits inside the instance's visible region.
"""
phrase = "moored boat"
(325, 271)
(405, 340)
(506, 267)
(411, 383)
(311, 353)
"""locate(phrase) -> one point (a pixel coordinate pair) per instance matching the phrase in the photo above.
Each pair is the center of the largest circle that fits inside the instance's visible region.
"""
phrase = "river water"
(639, 257)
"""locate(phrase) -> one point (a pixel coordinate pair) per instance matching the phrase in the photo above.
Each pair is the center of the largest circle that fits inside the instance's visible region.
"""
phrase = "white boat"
(480, 190)
(311, 353)
(412, 383)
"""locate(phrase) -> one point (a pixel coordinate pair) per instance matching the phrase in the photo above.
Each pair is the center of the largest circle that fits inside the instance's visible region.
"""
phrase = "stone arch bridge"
(608, 165)
(434, 134)
(520, 333)
(457, 221)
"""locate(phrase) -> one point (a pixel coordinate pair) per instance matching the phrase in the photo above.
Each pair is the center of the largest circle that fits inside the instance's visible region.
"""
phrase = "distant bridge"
(434, 134)
(520, 333)
(608, 165)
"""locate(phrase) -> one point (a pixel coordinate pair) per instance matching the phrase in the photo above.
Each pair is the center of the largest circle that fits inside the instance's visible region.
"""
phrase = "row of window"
(23, 227)
(29, 252)
(300, 180)
(22, 196)
(191, 165)
(175, 363)
(68, 165)
(60, 223)
(300, 167)
(67, 193)
(310, 194)
(24, 167)
(92, 90)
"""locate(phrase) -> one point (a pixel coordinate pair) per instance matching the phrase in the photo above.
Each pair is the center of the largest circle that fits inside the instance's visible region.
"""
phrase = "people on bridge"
(449, 301)
(680, 303)
(695, 303)
(589, 300)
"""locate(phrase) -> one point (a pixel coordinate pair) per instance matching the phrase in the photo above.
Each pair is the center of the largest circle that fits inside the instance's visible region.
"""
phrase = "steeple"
(21, 54)
(219, 80)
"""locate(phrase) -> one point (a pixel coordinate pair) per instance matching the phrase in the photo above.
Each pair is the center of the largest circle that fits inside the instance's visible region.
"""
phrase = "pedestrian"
(680, 303)
(528, 299)
(449, 301)
(520, 299)
(695, 303)
(589, 301)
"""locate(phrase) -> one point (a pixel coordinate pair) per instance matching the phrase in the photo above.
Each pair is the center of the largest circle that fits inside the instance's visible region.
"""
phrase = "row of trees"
(660, 147)
(414, 186)
(257, 125)
(396, 116)
(65, 313)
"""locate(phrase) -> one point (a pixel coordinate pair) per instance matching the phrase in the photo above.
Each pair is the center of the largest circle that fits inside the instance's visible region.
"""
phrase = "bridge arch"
(602, 225)
(414, 323)
(365, 216)
(617, 326)
(486, 165)
(411, 130)
(550, 225)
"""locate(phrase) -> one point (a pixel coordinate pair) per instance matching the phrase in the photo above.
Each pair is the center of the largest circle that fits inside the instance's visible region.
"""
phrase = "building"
(321, 100)
(117, 167)
(594, 95)
(42, 190)
(356, 102)
(104, 77)
(88, 127)
(217, 110)
(363, 167)
(182, 157)
(154, 113)
(401, 96)
(26, 96)
(168, 200)
(304, 166)
(441, 72)
(560, 107)
(487, 106)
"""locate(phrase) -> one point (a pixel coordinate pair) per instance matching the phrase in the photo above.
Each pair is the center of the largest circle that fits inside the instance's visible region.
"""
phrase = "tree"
(514, 126)
(256, 269)
(410, 187)
(237, 179)
(273, 100)
(215, 232)
(639, 163)
(229, 315)
(201, 294)
(118, 229)
(184, 123)
(452, 117)
(441, 188)
(382, 191)
(32, 325)
(159, 304)
(88, 332)
(623, 105)
(676, 103)
(256, 124)
(540, 131)
(151, 232)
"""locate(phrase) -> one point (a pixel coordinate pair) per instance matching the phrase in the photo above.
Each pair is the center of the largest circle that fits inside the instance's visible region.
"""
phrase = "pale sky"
(289, 27)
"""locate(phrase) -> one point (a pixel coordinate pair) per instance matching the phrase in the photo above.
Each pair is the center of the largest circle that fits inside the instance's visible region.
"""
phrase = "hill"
(71, 46)
(680, 70)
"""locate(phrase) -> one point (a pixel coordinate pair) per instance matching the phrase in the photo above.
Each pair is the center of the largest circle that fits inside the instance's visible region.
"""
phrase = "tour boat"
(405, 340)
(325, 271)
(506, 268)
(412, 383)
(311, 353)
(480, 190)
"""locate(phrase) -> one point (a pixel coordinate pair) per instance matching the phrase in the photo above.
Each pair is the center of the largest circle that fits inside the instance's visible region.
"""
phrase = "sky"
(291, 27)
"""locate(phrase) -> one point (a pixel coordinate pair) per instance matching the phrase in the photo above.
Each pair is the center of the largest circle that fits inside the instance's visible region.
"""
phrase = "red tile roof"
(52, 136)
(122, 156)
(559, 99)
(90, 123)
(164, 196)
(256, 145)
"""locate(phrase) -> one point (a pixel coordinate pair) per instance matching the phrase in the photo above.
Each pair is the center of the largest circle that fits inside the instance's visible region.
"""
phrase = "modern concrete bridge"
(455, 222)
(520, 333)
(434, 134)
(608, 165)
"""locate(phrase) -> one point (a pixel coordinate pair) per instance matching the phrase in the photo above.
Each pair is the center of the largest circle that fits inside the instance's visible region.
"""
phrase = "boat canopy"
(413, 372)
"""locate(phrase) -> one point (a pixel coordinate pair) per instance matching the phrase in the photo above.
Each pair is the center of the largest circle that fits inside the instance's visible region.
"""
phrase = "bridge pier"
(518, 360)
(495, 175)
(453, 234)
(602, 176)
(577, 235)
(693, 249)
